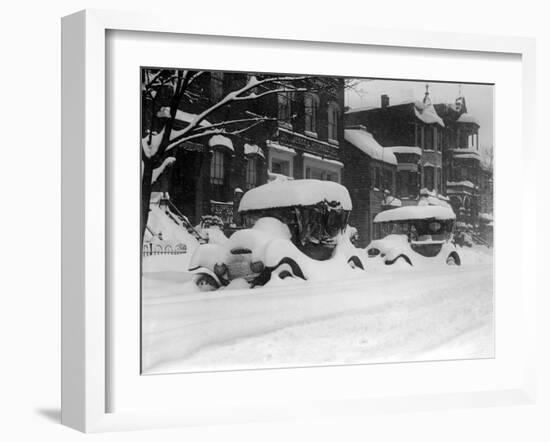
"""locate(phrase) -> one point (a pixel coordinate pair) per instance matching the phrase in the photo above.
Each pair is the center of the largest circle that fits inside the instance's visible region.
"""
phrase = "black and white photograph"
(298, 220)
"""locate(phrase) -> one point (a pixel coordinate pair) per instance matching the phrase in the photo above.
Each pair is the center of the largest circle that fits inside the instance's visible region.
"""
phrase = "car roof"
(415, 213)
(288, 193)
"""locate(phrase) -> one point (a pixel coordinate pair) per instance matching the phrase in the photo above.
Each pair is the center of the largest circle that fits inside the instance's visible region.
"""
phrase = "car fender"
(207, 256)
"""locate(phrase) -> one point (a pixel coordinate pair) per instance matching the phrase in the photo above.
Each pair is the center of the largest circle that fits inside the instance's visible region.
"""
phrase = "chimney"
(384, 100)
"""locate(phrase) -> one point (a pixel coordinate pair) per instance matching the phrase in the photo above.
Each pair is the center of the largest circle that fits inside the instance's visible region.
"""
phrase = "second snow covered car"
(415, 235)
(294, 229)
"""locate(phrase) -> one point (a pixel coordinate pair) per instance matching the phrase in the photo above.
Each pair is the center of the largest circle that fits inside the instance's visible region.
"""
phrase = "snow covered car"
(293, 229)
(415, 235)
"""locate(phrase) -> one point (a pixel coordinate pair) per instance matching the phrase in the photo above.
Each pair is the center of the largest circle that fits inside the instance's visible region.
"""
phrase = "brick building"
(437, 151)
(306, 142)
(370, 177)
(417, 136)
(301, 140)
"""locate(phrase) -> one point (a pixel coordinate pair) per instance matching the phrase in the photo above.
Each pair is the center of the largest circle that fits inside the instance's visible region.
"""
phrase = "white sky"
(479, 99)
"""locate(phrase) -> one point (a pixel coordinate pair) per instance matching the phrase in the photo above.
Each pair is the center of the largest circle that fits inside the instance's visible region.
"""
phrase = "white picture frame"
(86, 354)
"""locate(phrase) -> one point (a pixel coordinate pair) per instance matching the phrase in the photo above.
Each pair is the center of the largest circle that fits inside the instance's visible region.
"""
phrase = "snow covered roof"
(433, 201)
(253, 149)
(285, 193)
(467, 153)
(406, 149)
(272, 176)
(467, 118)
(392, 201)
(365, 142)
(415, 212)
(280, 147)
(465, 183)
(360, 109)
(220, 140)
(186, 117)
(427, 113)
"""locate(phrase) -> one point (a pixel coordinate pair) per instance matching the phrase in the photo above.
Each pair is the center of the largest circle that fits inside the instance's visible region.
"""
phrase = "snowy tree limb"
(158, 171)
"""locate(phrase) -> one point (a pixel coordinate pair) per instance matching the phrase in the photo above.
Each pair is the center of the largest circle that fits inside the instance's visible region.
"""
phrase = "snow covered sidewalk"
(385, 316)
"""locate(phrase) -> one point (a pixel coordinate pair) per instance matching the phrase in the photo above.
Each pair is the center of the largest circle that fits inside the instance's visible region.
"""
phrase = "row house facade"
(301, 139)
(370, 176)
(416, 135)
(437, 151)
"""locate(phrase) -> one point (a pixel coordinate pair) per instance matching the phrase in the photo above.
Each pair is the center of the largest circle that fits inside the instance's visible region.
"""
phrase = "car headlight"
(373, 252)
(257, 266)
(220, 269)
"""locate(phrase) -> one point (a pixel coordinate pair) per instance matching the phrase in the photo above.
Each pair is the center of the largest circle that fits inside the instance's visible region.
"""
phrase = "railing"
(158, 249)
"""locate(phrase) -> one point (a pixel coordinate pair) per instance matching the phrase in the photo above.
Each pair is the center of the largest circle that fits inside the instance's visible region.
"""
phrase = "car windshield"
(416, 230)
(318, 224)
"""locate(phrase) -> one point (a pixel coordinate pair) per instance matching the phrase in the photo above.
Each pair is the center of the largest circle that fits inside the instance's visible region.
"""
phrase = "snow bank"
(213, 234)
(162, 221)
(359, 321)
(365, 142)
(281, 193)
(415, 212)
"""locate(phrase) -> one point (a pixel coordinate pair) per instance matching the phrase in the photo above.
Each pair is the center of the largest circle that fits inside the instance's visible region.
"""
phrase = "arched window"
(333, 117)
(311, 105)
(217, 171)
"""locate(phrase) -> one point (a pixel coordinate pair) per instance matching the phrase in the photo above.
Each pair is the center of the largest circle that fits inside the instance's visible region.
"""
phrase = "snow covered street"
(390, 314)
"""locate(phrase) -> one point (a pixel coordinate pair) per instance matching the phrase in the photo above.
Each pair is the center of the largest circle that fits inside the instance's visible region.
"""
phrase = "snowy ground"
(388, 315)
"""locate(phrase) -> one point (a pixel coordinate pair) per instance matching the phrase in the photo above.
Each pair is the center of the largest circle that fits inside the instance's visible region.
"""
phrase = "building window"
(429, 177)
(437, 138)
(333, 115)
(388, 180)
(216, 85)
(321, 174)
(439, 180)
(418, 135)
(251, 172)
(377, 178)
(311, 105)
(217, 172)
(284, 107)
(281, 167)
(429, 138)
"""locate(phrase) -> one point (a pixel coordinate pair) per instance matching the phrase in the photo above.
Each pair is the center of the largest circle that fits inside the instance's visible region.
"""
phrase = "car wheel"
(206, 283)
(287, 267)
(404, 258)
(354, 262)
(453, 260)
